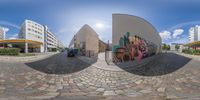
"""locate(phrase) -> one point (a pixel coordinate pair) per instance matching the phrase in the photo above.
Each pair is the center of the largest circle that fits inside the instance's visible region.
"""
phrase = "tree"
(177, 47)
(165, 47)
(168, 47)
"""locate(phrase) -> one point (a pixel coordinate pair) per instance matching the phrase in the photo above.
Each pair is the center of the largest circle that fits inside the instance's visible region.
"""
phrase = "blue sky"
(172, 18)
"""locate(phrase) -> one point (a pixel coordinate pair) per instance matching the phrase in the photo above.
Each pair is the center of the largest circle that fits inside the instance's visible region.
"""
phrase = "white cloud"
(9, 24)
(15, 36)
(5, 29)
(177, 32)
(12, 38)
(184, 24)
(180, 40)
(165, 35)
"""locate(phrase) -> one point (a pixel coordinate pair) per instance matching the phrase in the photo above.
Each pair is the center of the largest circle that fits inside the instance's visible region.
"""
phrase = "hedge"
(9, 51)
(191, 51)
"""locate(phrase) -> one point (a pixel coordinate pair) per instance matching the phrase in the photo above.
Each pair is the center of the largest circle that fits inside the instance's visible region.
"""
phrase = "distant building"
(103, 46)
(60, 45)
(50, 40)
(2, 33)
(86, 40)
(173, 47)
(194, 33)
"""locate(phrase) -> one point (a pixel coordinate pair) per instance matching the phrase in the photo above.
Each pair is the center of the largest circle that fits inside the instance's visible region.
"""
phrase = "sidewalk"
(26, 58)
(102, 64)
(195, 57)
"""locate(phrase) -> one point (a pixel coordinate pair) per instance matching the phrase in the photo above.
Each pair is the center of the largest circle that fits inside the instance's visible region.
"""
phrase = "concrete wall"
(123, 23)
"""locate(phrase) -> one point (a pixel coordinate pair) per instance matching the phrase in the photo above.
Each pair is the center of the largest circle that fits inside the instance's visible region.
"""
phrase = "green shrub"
(191, 51)
(9, 51)
(54, 49)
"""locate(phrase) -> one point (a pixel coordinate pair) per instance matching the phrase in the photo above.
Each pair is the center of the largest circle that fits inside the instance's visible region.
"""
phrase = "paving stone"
(93, 81)
(100, 89)
(109, 93)
(145, 91)
(41, 97)
(42, 88)
(132, 93)
(139, 82)
(119, 92)
(161, 89)
(2, 88)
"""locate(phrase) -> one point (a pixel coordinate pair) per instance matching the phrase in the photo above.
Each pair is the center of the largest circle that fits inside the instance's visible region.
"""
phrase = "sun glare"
(99, 25)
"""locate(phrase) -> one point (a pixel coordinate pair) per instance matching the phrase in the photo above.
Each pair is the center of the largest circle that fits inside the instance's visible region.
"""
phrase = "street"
(58, 77)
(59, 64)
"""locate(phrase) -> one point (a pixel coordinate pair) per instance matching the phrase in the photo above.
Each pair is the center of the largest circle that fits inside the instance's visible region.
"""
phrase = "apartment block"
(2, 33)
(51, 42)
(194, 33)
(34, 31)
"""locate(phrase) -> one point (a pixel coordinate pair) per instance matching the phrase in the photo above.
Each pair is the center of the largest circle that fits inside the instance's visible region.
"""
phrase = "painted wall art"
(132, 47)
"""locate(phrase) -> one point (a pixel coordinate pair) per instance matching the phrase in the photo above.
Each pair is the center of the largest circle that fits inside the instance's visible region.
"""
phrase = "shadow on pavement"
(164, 64)
(59, 64)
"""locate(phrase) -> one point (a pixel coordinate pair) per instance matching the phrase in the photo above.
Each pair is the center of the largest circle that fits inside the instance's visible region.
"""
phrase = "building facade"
(50, 41)
(194, 33)
(31, 30)
(133, 37)
(86, 40)
(60, 45)
(176, 47)
(2, 33)
(103, 46)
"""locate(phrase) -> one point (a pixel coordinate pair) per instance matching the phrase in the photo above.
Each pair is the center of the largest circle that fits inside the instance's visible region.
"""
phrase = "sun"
(99, 25)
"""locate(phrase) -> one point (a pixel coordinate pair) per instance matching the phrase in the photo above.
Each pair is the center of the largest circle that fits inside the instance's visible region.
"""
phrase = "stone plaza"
(169, 76)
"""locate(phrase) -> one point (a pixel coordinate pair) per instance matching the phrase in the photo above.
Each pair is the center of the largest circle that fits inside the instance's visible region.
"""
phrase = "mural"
(132, 47)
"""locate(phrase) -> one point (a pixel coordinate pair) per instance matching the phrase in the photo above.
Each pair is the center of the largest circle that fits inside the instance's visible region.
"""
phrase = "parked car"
(62, 50)
(71, 53)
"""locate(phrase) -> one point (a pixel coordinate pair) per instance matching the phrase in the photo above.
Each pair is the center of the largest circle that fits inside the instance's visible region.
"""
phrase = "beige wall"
(102, 46)
(89, 36)
(123, 23)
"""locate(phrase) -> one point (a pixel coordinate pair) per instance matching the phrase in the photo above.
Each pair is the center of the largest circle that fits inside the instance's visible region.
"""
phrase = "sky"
(171, 18)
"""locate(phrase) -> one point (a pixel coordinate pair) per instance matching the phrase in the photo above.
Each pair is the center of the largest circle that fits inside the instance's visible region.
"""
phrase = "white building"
(51, 42)
(36, 32)
(194, 33)
(2, 33)
(31, 30)
(173, 46)
(60, 45)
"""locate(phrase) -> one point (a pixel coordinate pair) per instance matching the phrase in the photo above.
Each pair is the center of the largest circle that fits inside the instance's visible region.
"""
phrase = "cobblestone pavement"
(18, 82)
(37, 56)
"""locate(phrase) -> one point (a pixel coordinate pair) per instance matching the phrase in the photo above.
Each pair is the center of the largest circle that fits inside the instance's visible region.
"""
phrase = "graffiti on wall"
(133, 47)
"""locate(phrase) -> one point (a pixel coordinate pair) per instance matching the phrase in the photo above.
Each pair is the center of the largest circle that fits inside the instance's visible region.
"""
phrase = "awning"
(193, 44)
(20, 41)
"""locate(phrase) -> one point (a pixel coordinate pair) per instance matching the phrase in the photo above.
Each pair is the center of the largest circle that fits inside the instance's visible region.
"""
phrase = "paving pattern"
(20, 81)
